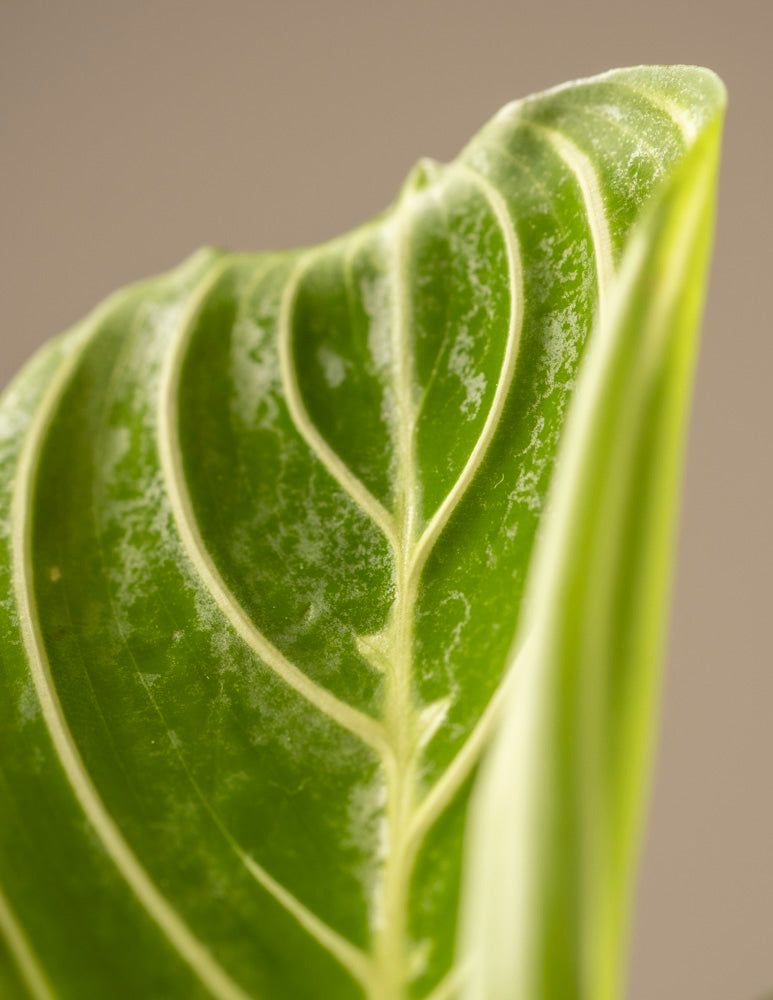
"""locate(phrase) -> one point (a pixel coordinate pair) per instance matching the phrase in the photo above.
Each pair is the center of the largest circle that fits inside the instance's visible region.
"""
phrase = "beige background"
(131, 133)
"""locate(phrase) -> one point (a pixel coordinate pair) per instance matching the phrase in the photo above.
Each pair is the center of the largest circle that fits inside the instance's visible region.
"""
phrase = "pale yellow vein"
(587, 178)
(681, 117)
(515, 325)
(305, 426)
(351, 719)
(26, 961)
(450, 984)
(190, 948)
(350, 957)
(442, 793)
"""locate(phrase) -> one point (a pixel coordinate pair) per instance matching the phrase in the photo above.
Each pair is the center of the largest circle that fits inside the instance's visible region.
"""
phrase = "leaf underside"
(268, 523)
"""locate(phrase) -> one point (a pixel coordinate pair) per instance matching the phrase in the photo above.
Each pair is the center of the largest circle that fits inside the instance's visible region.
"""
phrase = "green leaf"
(268, 524)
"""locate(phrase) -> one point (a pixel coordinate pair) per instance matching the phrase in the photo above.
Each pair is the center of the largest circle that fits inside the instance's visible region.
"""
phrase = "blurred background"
(132, 133)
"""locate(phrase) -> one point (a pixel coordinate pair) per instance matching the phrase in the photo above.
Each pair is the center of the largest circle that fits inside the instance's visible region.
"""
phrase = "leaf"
(268, 521)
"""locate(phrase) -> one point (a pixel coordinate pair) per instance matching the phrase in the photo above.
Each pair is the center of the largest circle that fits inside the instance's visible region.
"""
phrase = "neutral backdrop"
(131, 133)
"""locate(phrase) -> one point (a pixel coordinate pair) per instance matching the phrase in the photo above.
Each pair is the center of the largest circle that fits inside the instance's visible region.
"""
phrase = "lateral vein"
(442, 792)
(190, 948)
(351, 719)
(686, 124)
(580, 165)
(349, 955)
(449, 985)
(305, 426)
(26, 961)
(515, 281)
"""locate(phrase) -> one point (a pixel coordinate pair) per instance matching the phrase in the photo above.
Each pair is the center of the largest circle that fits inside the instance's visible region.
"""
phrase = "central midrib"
(401, 714)
(411, 540)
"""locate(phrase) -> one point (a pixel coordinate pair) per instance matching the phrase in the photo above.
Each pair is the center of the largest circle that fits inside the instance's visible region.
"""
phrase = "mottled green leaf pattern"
(268, 521)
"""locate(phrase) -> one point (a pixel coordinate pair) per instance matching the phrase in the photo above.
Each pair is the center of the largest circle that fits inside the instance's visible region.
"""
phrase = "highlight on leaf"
(332, 583)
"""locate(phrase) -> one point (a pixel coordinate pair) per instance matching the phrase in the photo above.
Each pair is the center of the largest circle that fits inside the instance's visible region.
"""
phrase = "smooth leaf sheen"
(268, 524)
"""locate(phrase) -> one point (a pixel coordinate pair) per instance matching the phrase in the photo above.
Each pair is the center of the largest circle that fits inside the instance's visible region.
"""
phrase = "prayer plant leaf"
(267, 525)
